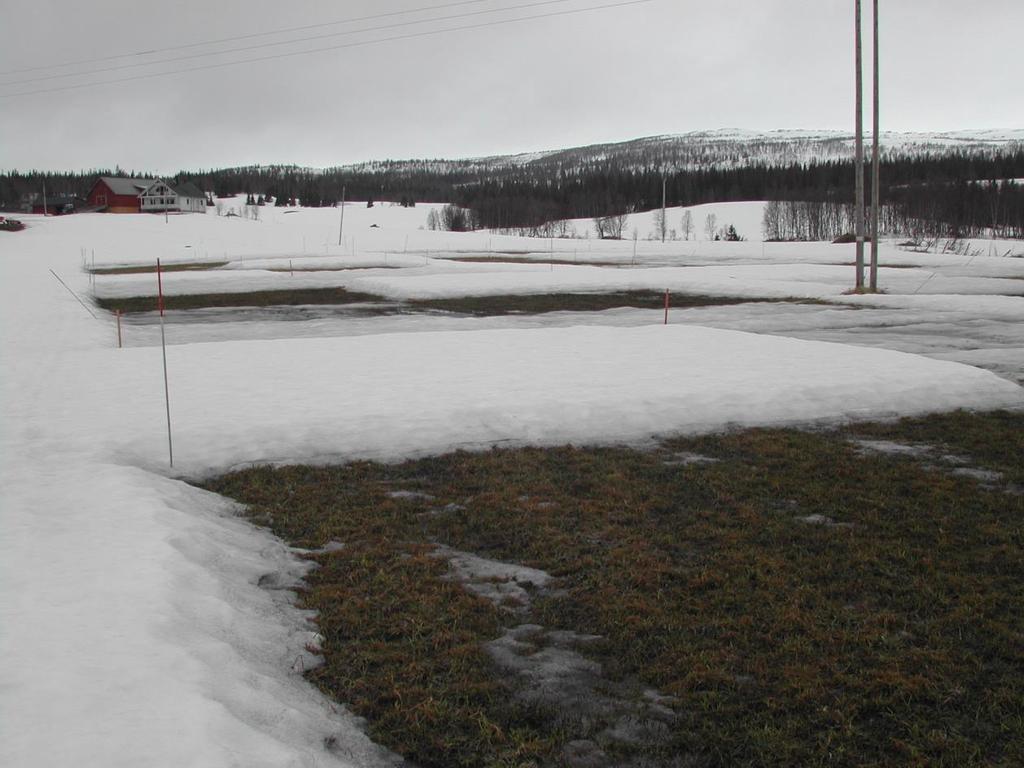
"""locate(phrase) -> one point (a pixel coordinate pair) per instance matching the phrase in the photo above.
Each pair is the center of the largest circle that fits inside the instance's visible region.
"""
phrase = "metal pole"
(859, 160)
(84, 305)
(663, 224)
(45, 212)
(341, 227)
(163, 346)
(666, 306)
(875, 165)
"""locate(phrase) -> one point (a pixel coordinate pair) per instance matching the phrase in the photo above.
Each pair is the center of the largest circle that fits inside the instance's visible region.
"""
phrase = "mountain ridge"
(717, 148)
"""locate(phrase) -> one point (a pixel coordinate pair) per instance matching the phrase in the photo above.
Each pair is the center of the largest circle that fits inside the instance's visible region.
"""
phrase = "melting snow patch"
(447, 509)
(505, 584)
(550, 672)
(984, 476)
(956, 465)
(893, 448)
(686, 458)
(410, 495)
(548, 669)
(823, 520)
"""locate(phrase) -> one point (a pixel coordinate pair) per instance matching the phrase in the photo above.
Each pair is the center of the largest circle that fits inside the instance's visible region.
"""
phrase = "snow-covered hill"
(723, 148)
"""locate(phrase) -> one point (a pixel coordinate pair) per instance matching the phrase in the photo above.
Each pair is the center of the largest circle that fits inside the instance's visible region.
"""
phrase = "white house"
(161, 196)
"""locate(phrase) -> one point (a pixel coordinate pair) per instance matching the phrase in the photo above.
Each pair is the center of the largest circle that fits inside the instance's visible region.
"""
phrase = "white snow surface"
(132, 628)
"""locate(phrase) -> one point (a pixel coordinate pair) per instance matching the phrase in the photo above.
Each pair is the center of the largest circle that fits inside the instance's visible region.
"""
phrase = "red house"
(116, 194)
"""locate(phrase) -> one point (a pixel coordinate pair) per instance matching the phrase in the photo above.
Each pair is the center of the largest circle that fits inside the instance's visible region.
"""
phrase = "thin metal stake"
(84, 305)
(163, 346)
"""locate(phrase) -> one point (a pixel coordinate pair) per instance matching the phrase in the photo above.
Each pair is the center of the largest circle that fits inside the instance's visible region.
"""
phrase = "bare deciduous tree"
(711, 226)
(610, 227)
(659, 225)
(687, 225)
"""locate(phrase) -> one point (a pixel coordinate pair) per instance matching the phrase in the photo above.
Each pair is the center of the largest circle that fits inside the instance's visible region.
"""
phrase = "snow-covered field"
(132, 629)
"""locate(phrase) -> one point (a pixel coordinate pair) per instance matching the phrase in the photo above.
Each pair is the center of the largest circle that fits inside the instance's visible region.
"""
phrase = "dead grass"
(191, 266)
(487, 306)
(538, 259)
(251, 299)
(479, 306)
(889, 630)
(332, 269)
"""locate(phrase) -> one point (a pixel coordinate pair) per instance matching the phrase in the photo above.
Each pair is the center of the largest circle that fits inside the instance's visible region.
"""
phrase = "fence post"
(666, 306)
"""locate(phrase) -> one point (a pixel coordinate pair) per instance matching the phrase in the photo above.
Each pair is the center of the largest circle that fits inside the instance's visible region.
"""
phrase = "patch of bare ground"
(765, 597)
(145, 269)
(285, 297)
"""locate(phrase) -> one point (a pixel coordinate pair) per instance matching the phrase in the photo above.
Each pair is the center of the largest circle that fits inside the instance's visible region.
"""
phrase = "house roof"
(58, 200)
(119, 185)
(188, 189)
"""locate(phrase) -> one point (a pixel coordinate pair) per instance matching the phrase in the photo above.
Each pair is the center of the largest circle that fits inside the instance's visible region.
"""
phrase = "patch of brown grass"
(888, 632)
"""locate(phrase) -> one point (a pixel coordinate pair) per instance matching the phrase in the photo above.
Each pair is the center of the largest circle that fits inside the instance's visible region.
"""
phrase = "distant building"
(53, 204)
(116, 194)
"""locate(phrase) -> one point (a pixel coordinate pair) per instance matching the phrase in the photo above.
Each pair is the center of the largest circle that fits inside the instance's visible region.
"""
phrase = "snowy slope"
(725, 147)
(132, 629)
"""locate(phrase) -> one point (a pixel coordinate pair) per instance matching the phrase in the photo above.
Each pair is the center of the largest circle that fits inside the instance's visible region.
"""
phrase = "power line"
(343, 46)
(259, 46)
(283, 31)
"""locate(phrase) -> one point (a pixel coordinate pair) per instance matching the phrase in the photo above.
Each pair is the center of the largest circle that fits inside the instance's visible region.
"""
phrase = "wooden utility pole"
(875, 164)
(341, 227)
(859, 144)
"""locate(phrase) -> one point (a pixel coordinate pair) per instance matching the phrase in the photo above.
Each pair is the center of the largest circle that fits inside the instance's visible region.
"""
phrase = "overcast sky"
(664, 66)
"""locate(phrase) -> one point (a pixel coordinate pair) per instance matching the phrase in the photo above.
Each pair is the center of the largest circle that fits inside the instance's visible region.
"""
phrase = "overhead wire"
(218, 41)
(259, 46)
(343, 46)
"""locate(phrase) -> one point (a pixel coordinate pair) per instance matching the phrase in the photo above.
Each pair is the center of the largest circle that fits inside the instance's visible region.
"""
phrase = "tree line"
(962, 193)
(933, 211)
